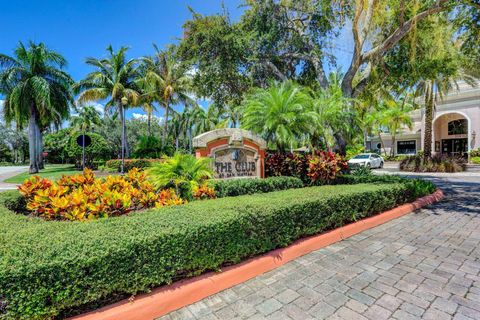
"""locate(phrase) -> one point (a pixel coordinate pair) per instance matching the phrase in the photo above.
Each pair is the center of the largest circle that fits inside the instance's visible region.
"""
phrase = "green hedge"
(238, 187)
(115, 164)
(51, 268)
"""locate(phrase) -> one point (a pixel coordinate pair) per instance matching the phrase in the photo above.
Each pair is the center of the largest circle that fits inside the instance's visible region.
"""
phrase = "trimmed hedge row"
(237, 187)
(116, 164)
(49, 268)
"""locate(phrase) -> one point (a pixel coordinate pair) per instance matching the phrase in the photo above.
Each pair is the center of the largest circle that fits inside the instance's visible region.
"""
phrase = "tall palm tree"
(113, 79)
(166, 81)
(280, 113)
(434, 90)
(36, 91)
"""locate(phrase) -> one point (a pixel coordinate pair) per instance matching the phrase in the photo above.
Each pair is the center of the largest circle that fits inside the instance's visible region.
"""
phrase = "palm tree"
(181, 170)
(434, 90)
(335, 114)
(86, 119)
(36, 91)
(397, 116)
(113, 79)
(165, 81)
(280, 114)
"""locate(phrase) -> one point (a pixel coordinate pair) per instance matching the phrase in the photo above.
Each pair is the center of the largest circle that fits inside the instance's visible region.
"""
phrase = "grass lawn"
(52, 172)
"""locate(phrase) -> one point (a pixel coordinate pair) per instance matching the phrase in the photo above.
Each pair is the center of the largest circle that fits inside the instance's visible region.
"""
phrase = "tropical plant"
(435, 163)
(182, 171)
(165, 81)
(396, 117)
(336, 119)
(113, 79)
(324, 167)
(280, 114)
(148, 147)
(83, 197)
(36, 91)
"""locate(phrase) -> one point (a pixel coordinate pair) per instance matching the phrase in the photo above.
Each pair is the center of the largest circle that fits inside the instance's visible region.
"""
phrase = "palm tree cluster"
(288, 115)
(37, 91)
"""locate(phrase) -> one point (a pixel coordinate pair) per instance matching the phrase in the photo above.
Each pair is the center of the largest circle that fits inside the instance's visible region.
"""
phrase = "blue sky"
(82, 28)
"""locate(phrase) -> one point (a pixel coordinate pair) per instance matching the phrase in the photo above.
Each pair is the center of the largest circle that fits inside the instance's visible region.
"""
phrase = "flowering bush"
(319, 167)
(323, 166)
(82, 196)
(203, 192)
(286, 164)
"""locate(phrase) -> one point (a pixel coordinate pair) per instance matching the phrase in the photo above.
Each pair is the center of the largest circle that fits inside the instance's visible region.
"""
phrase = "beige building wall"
(464, 104)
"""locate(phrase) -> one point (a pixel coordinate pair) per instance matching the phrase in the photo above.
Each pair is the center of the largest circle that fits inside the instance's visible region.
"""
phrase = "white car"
(369, 160)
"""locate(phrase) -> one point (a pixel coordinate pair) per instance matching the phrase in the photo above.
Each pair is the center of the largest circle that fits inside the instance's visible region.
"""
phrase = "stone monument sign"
(237, 153)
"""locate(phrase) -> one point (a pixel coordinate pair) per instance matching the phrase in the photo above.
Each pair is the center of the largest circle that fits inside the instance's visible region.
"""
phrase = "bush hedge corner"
(51, 268)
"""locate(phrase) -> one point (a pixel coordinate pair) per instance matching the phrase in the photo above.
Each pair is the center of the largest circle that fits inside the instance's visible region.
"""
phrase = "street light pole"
(124, 103)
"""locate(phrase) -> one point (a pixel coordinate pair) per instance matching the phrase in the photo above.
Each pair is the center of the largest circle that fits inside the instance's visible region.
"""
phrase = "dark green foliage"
(48, 267)
(98, 150)
(362, 171)
(148, 147)
(237, 187)
(14, 201)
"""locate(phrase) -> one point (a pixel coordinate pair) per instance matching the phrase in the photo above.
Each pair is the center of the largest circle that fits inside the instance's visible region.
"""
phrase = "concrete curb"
(185, 292)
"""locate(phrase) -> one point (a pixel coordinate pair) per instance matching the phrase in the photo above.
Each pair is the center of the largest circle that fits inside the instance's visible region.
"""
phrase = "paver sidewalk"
(7, 172)
(423, 265)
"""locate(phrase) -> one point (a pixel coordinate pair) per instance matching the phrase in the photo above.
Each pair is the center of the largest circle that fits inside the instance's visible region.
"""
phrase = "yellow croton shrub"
(83, 197)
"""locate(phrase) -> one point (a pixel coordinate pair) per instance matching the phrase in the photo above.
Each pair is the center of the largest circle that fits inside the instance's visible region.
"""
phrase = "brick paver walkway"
(423, 265)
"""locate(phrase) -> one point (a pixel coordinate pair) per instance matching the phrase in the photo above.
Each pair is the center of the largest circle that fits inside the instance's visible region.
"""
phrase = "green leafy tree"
(37, 91)
(280, 114)
(87, 119)
(98, 150)
(56, 144)
(113, 79)
(182, 171)
(214, 50)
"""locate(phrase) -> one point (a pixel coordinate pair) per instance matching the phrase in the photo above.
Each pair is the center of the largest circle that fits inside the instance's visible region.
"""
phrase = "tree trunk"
(392, 150)
(39, 148)
(340, 144)
(165, 128)
(32, 140)
(427, 140)
(122, 120)
(149, 124)
(381, 143)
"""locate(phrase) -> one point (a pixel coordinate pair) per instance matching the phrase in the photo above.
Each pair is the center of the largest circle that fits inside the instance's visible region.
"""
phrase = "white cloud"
(99, 107)
(144, 117)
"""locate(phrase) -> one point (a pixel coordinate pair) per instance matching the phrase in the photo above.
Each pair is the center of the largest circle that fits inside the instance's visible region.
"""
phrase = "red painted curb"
(182, 293)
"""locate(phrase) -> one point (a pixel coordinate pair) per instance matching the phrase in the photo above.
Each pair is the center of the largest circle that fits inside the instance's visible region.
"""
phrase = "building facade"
(456, 127)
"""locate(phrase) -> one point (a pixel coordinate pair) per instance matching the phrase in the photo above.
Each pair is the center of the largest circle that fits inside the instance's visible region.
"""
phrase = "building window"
(457, 127)
(407, 147)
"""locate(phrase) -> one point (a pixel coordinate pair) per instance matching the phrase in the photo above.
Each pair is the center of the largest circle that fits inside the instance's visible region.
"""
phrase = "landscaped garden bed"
(50, 268)
(436, 163)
